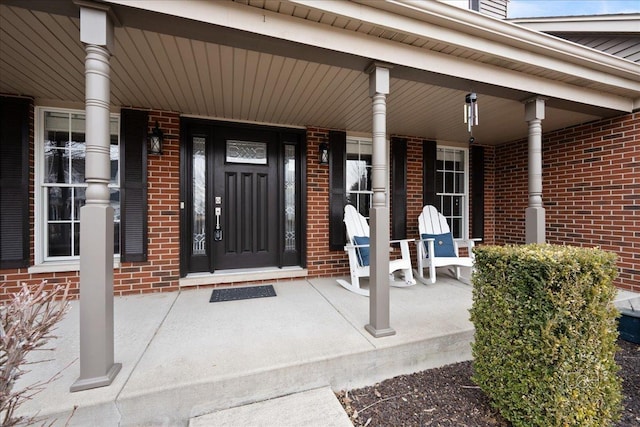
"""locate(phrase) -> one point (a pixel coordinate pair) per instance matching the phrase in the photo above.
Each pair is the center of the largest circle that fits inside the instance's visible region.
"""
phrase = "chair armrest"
(351, 246)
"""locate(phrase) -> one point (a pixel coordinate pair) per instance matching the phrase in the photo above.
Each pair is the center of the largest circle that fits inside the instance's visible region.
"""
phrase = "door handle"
(217, 232)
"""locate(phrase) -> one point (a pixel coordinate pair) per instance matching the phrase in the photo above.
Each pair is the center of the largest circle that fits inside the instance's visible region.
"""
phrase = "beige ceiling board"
(23, 32)
(287, 28)
(131, 71)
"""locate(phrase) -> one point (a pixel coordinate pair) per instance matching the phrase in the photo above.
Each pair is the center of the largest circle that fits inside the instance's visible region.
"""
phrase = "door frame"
(292, 136)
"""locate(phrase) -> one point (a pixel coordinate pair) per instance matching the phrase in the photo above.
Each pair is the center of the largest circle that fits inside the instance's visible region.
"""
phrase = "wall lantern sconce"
(155, 140)
(323, 154)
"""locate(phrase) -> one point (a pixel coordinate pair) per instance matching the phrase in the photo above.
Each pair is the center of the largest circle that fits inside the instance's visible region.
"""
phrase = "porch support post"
(379, 217)
(97, 367)
(535, 213)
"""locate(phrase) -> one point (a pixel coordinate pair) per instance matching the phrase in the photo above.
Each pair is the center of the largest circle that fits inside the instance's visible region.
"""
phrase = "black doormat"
(233, 294)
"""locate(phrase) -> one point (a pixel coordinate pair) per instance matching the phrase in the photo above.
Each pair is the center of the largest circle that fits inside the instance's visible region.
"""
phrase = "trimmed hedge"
(545, 334)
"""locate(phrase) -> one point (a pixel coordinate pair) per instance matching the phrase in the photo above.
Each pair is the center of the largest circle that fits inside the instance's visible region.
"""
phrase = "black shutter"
(399, 188)
(477, 191)
(337, 184)
(133, 190)
(14, 182)
(429, 157)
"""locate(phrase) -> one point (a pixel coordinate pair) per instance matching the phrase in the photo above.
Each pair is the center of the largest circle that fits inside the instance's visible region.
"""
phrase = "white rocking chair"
(436, 246)
(357, 248)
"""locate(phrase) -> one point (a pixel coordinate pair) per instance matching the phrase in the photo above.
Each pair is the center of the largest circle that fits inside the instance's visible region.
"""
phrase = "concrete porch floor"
(183, 357)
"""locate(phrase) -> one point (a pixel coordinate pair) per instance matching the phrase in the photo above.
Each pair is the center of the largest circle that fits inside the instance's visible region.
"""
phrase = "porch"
(184, 357)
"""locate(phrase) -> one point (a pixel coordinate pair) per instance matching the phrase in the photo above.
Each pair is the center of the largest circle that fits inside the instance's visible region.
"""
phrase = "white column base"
(379, 281)
(97, 366)
(535, 225)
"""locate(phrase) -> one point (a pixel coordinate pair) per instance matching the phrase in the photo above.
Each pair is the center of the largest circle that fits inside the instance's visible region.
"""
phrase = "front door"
(245, 198)
(242, 198)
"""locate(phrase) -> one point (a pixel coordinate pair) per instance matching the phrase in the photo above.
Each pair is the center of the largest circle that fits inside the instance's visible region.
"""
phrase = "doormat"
(233, 294)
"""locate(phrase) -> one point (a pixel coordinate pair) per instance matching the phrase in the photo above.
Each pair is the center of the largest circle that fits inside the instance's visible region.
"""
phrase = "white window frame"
(42, 263)
(464, 194)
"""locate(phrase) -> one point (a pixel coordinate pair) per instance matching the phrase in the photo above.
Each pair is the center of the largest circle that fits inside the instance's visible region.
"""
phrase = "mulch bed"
(447, 397)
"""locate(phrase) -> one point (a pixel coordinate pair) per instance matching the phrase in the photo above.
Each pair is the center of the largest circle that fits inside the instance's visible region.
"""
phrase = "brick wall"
(162, 269)
(320, 260)
(591, 190)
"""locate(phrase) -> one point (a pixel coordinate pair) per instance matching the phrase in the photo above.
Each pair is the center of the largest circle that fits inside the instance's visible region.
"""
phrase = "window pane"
(456, 228)
(114, 195)
(448, 183)
(59, 239)
(439, 182)
(114, 155)
(459, 183)
(59, 203)
(116, 237)
(77, 162)
(55, 163)
(446, 206)
(76, 238)
(364, 204)
(457, 206)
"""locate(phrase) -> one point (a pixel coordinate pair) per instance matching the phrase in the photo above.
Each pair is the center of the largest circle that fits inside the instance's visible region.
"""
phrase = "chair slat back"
(431, 221)
(355, 223)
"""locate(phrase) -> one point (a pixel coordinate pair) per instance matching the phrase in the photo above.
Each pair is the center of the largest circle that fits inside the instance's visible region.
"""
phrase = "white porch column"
(535, 213)
(379, 217)
(97, 367)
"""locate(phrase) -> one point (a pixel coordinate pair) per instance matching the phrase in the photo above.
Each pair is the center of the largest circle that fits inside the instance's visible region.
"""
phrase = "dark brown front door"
(245, 198)
(241, 197)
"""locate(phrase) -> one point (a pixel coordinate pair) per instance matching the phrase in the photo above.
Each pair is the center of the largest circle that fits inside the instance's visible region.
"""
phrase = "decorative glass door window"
(62, 186)
(451, 187)
(246, 152)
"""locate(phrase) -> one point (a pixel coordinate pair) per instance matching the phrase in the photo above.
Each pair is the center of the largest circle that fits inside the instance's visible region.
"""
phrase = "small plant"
(26, 323)
(546, 334)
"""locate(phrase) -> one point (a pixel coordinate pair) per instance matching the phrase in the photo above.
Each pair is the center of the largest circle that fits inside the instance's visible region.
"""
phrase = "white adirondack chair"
(438, 248)
(358, 230)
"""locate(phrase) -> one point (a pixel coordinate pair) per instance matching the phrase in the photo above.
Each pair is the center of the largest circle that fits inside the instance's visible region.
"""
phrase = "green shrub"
(545, 334)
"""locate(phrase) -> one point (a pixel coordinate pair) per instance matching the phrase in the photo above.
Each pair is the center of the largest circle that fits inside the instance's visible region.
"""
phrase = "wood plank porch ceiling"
(41, 56)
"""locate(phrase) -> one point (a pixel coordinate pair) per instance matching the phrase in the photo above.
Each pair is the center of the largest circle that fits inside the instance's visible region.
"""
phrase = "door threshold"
(242, 275)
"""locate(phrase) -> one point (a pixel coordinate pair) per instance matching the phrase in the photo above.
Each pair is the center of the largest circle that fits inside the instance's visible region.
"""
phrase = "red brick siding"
(321, 262)
(591, 190)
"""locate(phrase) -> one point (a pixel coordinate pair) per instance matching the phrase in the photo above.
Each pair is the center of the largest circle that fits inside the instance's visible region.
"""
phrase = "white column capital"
(96, 25)
(378, 78)
(534, 108)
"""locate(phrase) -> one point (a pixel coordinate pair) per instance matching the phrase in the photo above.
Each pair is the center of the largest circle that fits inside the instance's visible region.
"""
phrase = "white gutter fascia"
(478, 27)
(272, 24)
(626, 24)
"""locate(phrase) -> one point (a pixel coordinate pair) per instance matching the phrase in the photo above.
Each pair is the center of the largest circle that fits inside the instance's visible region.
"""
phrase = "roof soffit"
(587, 86)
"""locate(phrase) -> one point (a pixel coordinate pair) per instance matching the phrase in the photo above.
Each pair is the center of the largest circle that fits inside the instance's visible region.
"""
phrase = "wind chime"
(471, 113)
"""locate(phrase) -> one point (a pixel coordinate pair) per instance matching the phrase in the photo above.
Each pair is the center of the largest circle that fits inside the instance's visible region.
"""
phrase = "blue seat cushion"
(363, 253)
(443, 244)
